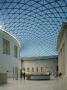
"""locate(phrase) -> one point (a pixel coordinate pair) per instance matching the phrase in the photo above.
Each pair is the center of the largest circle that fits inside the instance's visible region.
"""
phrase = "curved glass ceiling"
(35, 23)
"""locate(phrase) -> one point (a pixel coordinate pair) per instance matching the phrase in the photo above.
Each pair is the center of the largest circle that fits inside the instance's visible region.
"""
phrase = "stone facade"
(9, 64)
(40, 65)
(62, 50)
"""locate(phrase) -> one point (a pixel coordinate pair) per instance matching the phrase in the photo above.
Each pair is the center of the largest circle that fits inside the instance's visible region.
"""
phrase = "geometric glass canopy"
(35, 23)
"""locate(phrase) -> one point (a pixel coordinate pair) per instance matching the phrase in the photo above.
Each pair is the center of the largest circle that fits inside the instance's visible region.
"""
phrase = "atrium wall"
(40, 66)
(9, 63)
(62, 50)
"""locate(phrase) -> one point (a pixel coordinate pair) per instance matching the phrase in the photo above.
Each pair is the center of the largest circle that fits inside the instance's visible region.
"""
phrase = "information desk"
(38, 77)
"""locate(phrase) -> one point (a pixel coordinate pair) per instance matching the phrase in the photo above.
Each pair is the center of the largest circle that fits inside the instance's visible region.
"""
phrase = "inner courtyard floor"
(57, 84)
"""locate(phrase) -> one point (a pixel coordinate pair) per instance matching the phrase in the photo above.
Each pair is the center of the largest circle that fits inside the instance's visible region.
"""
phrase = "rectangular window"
(28, 69)
(36, 69)
(23, 69)
(6, 47)
(32, 69)
(41, 69)
(15, 51)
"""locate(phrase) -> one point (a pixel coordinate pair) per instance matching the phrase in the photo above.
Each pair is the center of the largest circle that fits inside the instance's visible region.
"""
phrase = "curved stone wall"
(9, 62)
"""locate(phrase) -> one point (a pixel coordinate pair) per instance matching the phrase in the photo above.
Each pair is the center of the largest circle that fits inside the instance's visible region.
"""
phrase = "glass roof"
(35, 23)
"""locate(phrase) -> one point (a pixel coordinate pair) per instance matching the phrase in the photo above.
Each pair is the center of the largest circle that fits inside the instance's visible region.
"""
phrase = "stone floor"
(35, 85)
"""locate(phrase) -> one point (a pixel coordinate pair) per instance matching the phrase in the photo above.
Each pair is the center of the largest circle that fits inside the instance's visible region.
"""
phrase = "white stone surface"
(9, 62)
(49, 65)
(35, 85)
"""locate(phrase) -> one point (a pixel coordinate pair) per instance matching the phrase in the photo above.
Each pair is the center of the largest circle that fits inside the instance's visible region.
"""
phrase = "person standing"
(24, 75)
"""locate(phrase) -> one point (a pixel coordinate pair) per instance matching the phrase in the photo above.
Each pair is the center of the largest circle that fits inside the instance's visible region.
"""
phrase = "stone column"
(63, 59)
(59, 61)
(66, 54)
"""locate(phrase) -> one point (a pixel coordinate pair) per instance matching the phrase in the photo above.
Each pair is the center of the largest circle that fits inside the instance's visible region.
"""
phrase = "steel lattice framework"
(35, 23)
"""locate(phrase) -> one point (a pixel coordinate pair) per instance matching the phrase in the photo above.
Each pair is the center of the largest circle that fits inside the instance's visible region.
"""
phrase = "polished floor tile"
(35, 85)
